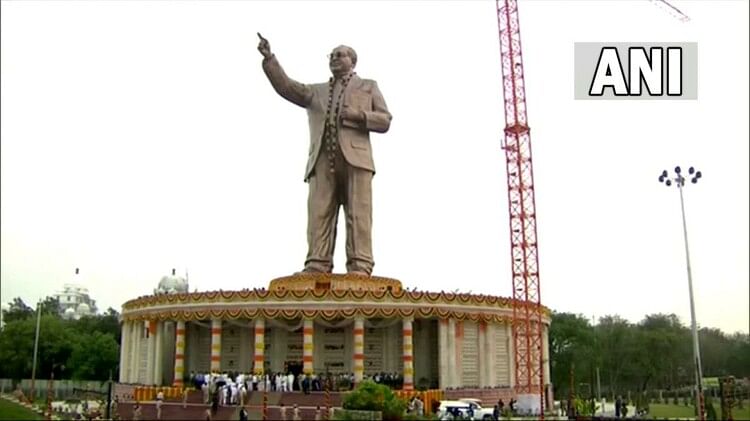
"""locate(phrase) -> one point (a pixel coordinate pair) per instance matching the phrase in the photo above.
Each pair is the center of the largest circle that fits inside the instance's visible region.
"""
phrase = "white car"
(466, 408)
(480, 412)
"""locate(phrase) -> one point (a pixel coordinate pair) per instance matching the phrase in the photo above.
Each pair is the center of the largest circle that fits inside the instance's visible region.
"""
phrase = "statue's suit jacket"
(354, 137)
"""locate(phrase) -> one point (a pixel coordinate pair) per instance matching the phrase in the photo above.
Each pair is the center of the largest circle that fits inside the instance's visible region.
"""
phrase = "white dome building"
(74, 299)
(172, 284)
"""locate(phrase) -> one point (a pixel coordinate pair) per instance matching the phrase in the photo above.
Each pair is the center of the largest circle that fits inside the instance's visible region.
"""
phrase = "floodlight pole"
(32, 393)
(694, 327)
(679, 180)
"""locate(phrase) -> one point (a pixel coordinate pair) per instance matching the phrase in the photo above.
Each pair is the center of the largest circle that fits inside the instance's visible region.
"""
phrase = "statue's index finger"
(261, 37)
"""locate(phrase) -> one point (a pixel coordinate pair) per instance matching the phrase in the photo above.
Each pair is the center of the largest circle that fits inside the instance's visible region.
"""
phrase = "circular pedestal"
(335, 282)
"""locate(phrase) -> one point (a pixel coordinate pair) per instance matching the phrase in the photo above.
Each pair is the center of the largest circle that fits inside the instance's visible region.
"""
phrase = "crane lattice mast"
(527, 310)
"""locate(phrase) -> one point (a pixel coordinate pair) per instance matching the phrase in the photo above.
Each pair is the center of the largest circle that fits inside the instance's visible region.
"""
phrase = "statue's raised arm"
(290, 89)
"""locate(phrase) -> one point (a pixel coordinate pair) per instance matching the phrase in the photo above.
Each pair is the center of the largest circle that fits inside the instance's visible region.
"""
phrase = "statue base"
(334, 281)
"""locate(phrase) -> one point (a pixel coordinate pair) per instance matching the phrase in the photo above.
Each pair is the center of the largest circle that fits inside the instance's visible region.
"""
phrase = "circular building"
(324, 323)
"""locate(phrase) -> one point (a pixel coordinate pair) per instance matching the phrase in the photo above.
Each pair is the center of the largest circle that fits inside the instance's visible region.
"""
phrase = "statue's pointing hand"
(263, 46)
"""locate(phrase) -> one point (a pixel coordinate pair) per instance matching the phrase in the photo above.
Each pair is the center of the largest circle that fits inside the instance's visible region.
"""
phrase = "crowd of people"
(233, 387)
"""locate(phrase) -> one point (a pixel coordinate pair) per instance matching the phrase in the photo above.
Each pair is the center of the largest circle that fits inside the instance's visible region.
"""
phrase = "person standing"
(282, 412)
(318, 414)
(136, 412)
(243, 414)
(618, 406)
(113, 408)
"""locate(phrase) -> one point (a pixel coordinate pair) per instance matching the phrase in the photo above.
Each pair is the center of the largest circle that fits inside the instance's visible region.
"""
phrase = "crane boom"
(527, 310)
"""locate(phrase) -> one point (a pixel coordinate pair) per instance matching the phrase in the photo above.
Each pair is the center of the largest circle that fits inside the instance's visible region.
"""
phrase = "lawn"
(741, 414)
(12, 411)
(657, 410)
(661, 410)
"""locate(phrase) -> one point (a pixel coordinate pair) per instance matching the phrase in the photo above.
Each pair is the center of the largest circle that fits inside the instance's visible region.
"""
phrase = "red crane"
(527, 309)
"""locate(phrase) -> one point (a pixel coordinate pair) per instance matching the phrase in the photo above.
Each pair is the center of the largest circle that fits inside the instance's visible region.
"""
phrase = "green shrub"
(370, 396)
(585, 407)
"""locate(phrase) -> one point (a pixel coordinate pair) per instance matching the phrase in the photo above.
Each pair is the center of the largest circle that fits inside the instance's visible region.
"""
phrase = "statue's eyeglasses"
(337, 54)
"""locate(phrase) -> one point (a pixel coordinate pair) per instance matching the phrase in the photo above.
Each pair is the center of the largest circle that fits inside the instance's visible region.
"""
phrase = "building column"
(489, 347)
(458, 352)
(132, 356)
(124, 356)
(215, 345)
(179, 354)
(451, 342)
(408, 355)
(359, 349)
(135, 347)
(307, 346)
(129, 350)
(443, 377)
(482, 351)
(159, 354)
(151, 345)
(260, 346)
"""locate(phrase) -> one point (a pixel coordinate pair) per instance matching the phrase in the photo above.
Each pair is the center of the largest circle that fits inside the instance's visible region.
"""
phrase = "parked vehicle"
(480, 412)
(465, 408)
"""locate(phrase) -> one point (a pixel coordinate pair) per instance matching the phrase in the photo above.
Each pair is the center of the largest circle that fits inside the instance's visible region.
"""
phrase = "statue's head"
(342, 60)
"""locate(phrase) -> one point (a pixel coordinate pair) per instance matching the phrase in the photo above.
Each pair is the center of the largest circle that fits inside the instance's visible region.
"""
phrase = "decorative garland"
(264, 295)
(327, 315)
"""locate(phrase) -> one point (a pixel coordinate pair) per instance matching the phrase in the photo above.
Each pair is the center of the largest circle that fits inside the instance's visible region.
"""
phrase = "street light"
(32, 393)
(679, 181)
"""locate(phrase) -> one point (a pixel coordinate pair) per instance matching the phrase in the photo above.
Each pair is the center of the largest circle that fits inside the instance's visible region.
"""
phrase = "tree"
(104, 323)
(663, 351)
(570, 341)
(616, 345)
(17, 346)
(94, 355)
(51, 306)
(654, 353)
(738, 362)
(17, 310)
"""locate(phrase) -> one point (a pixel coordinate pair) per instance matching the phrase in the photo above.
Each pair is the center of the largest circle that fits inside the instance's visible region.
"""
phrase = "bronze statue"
(341, 112)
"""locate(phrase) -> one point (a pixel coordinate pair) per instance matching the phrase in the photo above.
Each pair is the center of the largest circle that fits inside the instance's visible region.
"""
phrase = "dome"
(83, 308)
(172, 284)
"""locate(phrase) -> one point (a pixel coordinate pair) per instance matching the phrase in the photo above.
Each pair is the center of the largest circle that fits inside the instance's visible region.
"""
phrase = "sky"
(138, 137)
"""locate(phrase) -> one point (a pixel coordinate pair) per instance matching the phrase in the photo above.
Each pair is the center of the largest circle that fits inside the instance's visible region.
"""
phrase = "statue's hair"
(350, 51)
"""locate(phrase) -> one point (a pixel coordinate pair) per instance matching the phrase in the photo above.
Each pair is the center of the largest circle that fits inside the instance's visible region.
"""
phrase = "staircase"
(195, 409)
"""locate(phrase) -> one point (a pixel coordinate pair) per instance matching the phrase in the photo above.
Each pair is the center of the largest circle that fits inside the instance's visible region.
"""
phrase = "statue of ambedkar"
(341, 113)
